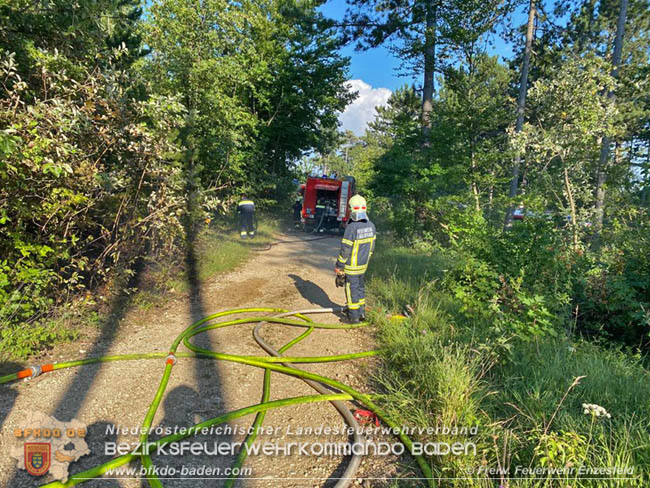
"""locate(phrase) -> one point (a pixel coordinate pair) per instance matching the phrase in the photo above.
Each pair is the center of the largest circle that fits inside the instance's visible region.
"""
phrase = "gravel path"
(294, 276)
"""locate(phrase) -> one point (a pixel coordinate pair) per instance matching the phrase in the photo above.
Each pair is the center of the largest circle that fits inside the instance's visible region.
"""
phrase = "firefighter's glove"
(340, 279)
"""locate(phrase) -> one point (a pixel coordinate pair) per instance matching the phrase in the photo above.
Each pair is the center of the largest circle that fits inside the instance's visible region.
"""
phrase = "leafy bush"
(613, 297)
(88, 181)
(530, 281)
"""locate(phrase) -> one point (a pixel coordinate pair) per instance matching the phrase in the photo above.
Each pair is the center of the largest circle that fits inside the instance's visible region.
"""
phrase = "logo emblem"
(37, 457)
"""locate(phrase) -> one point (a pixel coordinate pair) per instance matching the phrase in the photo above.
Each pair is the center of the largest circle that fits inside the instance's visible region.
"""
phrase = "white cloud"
(362, 110)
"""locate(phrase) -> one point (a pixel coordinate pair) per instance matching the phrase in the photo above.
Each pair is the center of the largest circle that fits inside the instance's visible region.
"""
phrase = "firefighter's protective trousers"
(355, 296)
(357, 246)
(246, 209)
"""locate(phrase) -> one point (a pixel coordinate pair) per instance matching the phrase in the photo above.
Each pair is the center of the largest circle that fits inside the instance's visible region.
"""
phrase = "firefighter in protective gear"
(297, 211)
(357, 246)
(246, 209)
(320, 213)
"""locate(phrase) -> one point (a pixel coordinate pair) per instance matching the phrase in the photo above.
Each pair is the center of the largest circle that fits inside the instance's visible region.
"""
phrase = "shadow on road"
(206, 372)
(98, 435)
(7, 392)
(313, 293)
(72, 399)
(183, 406)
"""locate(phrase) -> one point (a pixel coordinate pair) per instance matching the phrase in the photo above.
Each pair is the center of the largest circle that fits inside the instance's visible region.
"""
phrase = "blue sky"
(378, 67)
(374, 73)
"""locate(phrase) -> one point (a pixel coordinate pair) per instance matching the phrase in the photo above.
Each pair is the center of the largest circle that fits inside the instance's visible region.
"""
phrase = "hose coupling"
(171, 359)
(36, 371)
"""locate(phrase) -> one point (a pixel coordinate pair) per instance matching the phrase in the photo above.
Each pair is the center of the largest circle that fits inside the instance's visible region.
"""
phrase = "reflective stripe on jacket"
(246, 206)
(357, 246)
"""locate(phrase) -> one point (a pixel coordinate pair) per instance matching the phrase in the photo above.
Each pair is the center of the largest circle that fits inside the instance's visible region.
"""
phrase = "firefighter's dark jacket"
(357, 246)
(246, 206)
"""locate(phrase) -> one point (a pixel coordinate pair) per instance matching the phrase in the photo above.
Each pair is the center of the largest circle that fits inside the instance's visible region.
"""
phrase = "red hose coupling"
(365, 417)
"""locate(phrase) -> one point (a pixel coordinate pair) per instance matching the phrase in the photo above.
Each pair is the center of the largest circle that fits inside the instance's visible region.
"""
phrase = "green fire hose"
(275, 363)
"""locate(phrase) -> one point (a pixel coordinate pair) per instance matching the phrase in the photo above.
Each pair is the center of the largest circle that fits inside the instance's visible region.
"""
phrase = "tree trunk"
(646, 174)
(521, 105)
(490, 198)
(601, 171)
(477, 200)
(474, 185)
(572, 206)
(429, 70)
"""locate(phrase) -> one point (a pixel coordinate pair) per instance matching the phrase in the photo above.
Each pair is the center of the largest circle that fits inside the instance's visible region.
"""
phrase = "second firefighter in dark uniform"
(357, 246)
(246, 209)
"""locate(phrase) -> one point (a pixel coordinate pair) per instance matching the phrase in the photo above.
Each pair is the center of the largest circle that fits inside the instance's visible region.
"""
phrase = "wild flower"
(595, 410)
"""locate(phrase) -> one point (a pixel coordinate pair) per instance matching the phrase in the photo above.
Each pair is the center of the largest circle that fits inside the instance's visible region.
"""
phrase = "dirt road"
(116, 395)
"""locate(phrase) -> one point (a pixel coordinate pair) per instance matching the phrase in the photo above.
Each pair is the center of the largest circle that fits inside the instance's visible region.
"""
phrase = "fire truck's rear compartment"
(327, 210)
(325, 203)
(328, 197)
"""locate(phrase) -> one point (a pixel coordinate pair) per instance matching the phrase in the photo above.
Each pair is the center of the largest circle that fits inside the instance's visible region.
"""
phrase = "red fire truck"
(325, 203)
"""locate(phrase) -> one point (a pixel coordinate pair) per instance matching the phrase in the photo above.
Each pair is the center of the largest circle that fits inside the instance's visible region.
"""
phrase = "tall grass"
(445, 367)
(218, 249)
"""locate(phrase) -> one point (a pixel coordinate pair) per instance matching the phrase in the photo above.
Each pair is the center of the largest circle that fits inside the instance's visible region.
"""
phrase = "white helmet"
(358, 208)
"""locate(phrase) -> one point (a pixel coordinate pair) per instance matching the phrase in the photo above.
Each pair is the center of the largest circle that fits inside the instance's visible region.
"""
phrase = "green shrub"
(525, 391)
(613, 296)
(89, 181)
(21, 341)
